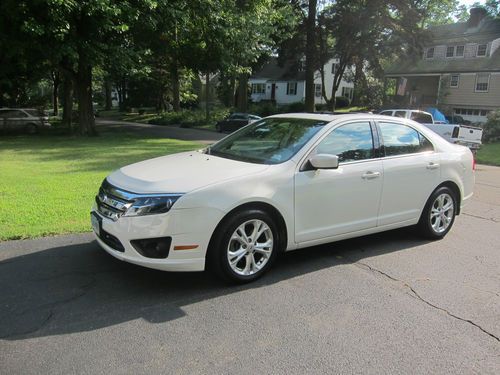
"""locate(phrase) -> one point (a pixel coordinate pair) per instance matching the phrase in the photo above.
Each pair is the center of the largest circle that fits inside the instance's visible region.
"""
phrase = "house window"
(291, 88)
(334, 68)
(481, 50)
(450, 51)
(454, 80)
(258, 88)
(347, 92)
(317, 90)
(430, 53)
(482, 82)
(459, 52)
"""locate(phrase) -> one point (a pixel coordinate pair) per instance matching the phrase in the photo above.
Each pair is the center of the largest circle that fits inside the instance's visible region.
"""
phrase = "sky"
(470, 2)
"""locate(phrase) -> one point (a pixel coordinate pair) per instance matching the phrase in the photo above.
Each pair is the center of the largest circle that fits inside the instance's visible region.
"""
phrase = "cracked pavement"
(389, 303)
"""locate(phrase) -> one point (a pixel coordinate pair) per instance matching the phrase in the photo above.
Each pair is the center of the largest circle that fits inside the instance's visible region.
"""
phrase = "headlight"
(150, 205)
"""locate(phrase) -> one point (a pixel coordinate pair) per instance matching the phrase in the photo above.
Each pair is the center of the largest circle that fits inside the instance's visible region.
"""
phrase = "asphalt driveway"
(386, 303)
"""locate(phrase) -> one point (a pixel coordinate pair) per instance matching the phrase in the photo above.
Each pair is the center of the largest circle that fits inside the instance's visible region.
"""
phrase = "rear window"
(399, 139)
(421, 117)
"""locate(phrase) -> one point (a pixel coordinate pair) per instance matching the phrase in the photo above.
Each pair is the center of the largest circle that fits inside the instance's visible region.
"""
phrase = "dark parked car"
(235, 121)
(459, 120)
(22, 119)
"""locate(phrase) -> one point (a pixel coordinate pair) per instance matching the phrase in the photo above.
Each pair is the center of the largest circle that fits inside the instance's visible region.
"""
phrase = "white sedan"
(283, 183)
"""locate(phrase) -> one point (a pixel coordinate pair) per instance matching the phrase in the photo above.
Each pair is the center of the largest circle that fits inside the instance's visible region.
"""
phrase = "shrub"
(263, 109)
(322, 107)
(341, 102)
(295, 107)
(491, 129)
(190, 118)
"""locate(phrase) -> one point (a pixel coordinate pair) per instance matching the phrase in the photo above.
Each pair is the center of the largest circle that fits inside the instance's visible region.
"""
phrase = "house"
(459, 71)
(285, 84)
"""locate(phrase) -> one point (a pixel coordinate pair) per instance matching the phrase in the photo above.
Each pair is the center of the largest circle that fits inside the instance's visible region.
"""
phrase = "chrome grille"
(112, 202)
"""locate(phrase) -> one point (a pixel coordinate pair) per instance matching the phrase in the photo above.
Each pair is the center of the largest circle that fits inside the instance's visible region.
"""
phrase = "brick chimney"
(476, 15)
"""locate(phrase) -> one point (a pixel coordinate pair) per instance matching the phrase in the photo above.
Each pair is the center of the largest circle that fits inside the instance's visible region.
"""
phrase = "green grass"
(48, 183)
(489, 154)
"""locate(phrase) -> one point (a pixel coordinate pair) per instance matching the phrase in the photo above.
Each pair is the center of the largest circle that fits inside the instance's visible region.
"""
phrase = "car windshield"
(268, 141)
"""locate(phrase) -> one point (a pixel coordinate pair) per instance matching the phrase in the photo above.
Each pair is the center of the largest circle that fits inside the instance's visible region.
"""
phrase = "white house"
(286, 84)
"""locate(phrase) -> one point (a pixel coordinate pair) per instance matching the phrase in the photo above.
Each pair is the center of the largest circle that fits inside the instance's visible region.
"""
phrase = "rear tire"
(244, 246)
(439, 214)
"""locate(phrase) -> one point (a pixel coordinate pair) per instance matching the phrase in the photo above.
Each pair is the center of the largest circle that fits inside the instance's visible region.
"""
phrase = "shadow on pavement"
(80, 288)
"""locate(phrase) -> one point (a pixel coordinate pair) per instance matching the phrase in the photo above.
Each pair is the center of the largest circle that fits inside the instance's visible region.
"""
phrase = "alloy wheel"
(250, 247)
(442, 211)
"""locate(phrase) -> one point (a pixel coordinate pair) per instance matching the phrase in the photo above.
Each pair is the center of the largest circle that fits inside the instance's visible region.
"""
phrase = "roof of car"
(324, 116)
(17, 109)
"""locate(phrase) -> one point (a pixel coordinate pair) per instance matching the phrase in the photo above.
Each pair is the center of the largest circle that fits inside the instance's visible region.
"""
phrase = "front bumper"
(186, 227)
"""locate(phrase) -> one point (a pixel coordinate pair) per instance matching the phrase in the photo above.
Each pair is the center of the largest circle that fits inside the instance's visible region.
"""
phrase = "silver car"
(23, 119)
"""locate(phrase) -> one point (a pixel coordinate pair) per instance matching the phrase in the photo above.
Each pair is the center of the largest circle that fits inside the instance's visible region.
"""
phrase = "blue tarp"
(438, 116)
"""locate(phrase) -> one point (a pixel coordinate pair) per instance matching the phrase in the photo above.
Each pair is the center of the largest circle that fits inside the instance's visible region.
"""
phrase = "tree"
(310, 55)
(364, 33)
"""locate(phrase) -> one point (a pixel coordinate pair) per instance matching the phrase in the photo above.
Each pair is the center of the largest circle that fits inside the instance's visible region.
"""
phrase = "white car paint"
(318, 206)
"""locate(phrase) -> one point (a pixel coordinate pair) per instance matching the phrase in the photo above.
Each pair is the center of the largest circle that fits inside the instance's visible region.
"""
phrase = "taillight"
(473, 163)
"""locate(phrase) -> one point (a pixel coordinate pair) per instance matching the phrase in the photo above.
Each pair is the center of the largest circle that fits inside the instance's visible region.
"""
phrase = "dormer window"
(460, 51)
(450, 51)
(430, 53)
(481, 50)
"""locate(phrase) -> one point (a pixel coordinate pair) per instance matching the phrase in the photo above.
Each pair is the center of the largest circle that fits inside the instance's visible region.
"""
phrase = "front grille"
(112, 202)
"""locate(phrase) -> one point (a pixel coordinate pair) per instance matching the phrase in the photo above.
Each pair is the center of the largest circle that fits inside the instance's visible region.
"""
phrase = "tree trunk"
(207, 95)
(67, 100)
(86, 119)
(359, 83)
(310, 55)
(107, 93)
(243, 92)
(232, 84)
(56, 80)
(176, 92)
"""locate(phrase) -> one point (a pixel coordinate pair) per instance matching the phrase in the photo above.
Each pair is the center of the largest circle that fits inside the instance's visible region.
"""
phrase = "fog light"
(157, 248)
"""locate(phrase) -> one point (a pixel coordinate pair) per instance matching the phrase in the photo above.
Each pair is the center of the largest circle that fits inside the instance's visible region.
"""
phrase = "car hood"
(180, 173)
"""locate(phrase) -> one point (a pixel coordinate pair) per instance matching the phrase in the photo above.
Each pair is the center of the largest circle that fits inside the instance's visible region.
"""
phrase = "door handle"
(432, 165)
(370, 175)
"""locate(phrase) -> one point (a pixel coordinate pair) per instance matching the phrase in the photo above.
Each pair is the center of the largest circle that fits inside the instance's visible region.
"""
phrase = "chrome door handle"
(432, 165)
(370, 175)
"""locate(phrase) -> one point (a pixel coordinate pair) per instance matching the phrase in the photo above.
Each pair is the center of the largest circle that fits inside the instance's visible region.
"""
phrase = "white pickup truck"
(465, 135)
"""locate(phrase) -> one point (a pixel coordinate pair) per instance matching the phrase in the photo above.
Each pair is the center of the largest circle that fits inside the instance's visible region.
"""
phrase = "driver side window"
(349, 142)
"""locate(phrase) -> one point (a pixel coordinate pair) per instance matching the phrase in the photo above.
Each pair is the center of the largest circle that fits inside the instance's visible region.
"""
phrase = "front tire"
(439, 214)
(244, 247)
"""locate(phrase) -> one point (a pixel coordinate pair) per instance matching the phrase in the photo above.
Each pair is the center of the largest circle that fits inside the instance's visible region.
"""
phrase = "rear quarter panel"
(457, 166)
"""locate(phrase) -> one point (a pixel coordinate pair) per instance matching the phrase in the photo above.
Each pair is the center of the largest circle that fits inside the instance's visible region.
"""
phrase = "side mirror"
(324, 161)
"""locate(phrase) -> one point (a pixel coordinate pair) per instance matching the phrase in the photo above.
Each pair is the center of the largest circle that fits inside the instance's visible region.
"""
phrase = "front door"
(331, 202)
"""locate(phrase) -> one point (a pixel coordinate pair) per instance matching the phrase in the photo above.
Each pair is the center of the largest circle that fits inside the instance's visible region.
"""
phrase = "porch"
(413, 91)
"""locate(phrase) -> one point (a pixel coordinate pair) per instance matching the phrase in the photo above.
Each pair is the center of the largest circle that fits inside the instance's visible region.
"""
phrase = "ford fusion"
(282, 183)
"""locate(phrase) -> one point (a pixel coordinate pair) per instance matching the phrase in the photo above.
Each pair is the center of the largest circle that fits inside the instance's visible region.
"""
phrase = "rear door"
(16, 120)
(411, 172)
(331, 202)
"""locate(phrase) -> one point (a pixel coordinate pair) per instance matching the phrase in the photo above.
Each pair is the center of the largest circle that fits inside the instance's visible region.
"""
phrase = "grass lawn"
(48, 183)
(489, 154)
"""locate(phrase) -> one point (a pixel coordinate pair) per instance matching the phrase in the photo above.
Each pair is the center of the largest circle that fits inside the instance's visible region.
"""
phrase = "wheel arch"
(455, 188)
(259, 205)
